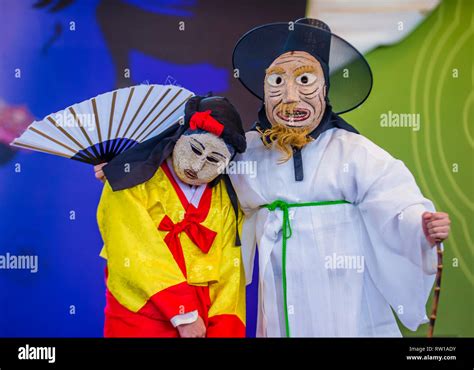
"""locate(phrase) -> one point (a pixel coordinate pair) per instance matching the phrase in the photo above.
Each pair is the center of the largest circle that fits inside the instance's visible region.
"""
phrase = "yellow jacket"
(141, 265)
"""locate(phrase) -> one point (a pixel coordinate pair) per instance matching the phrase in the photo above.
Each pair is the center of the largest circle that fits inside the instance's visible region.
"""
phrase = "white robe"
(381, 229)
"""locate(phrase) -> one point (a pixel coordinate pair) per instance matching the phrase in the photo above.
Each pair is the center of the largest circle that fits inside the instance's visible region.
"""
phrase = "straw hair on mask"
(285, 138)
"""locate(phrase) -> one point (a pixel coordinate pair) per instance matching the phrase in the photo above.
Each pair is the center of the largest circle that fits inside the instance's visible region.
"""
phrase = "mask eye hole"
(275, 79)
(196, 150)
(306, 79)
(212, 160)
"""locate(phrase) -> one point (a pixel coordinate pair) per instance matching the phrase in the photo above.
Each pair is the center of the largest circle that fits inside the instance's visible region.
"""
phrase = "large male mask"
(305, 75)
(295, 93)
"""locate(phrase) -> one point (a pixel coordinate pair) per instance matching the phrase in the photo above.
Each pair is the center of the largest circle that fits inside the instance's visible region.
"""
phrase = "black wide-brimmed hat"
(348, 75)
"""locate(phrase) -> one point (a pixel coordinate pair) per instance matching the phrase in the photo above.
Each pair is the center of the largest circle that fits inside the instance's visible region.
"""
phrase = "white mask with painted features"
(199, 158)
(295, 91)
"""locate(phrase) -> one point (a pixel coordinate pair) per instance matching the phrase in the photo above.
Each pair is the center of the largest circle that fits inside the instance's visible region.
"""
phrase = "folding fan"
(98, 129)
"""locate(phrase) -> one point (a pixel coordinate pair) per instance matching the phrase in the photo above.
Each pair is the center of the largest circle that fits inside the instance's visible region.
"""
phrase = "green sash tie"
(286, 234)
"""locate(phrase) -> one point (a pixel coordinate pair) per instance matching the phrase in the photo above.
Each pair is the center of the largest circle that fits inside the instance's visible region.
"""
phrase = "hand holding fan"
(100, 128)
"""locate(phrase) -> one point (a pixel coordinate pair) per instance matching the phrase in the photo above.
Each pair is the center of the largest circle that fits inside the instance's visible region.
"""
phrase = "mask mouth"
(192, 175)
(297, 115)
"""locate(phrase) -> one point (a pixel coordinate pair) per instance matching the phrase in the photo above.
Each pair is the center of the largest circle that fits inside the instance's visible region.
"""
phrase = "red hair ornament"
(204, 121)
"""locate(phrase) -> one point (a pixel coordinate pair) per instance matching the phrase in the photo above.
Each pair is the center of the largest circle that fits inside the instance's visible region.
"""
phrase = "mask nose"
(198, 163)
(291, 93)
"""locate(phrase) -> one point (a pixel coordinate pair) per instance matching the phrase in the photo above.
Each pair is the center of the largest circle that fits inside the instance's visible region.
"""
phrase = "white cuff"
(185, 318)
(429, 256)
(425, 244)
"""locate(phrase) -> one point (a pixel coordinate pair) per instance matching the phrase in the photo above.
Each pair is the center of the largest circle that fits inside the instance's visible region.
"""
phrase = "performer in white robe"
(346, 263)
(343, 232)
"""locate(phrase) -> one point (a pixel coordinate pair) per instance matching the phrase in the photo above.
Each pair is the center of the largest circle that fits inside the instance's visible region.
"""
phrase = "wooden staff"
(437, 290)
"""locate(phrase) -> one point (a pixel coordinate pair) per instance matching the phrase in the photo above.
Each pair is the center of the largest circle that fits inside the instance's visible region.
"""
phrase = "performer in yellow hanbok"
(170, 224)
